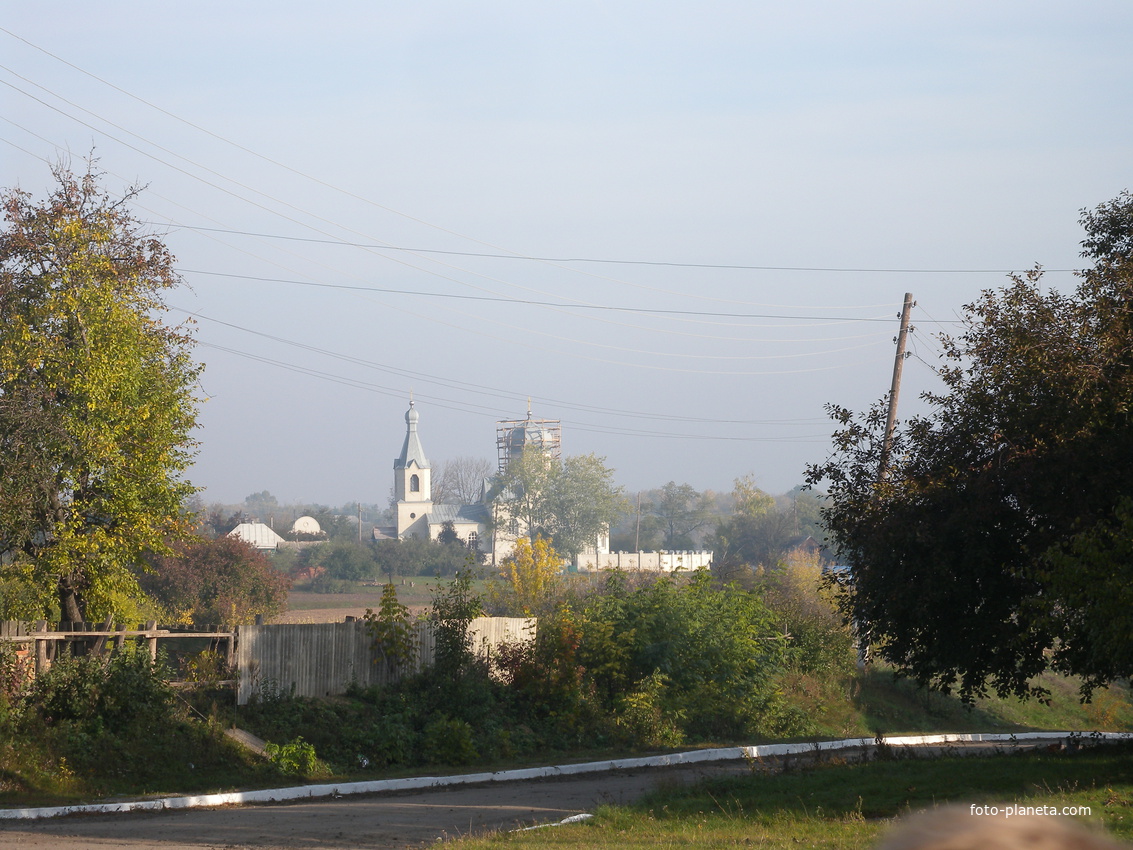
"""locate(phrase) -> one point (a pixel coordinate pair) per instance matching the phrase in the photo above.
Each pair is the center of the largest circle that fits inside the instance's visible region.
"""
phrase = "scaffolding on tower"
(514, 436)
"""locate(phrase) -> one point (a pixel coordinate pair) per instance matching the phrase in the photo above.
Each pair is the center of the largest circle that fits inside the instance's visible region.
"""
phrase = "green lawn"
(840, 805)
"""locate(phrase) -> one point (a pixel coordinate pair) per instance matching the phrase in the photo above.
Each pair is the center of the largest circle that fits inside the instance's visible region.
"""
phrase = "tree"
(993, 547)
(755, 533)
(447, 536)
(217, 581)
(347, 560)
(96, 399)
(261, 505)
(571, 501)
(682, 511)
(582, 503)
(461, 479)
(532, 570)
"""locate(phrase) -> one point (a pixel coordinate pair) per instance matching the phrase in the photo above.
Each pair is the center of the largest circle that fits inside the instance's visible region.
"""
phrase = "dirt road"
(379, 821)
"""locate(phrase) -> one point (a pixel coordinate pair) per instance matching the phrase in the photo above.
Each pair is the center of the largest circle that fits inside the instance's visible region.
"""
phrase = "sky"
(681, 229)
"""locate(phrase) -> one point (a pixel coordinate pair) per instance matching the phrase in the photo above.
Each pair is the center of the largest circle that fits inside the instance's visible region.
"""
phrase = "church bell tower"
(412, 482)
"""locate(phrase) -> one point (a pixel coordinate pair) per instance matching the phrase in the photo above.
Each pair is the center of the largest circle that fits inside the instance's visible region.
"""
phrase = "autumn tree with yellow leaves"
(532, 571)
(96, 402)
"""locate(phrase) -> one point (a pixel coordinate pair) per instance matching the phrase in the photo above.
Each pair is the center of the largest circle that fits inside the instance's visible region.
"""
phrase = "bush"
(820, 642)
(643, 721)
(448, 741)
(94, 694)
(217, 581)
(296, 758)
(717, 647)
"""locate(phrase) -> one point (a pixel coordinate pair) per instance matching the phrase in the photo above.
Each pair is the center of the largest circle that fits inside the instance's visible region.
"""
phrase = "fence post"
(40, 649)
(100, 642)
(151, 639)
(120, 639)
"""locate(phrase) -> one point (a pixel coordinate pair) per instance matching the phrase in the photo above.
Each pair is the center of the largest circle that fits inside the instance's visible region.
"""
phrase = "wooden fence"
(307, 659)
(324, 659)
(40, 641)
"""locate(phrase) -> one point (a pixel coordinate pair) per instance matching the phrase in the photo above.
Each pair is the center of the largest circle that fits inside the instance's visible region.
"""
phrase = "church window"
(414, 484)
(473, 541)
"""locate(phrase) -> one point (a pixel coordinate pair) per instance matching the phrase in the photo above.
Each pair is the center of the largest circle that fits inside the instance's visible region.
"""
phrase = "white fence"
(665, 562)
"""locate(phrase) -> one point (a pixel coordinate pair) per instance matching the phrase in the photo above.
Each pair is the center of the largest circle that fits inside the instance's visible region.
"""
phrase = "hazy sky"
(680, 228)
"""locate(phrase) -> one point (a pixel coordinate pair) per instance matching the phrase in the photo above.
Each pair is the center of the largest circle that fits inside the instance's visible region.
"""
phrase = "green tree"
(347, 560)
(755, 533)
(261, 505)
(97, 399)
(583, 503)
(991, 547)
(682, 512)
(447, 535)
(571, 501)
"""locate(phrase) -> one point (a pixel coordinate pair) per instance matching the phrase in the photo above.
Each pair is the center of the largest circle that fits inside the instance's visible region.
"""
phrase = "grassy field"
(416, 592)
(839, 805)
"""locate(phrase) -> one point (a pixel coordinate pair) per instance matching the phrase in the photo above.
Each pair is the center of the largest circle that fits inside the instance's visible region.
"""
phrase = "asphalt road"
(395, 820)
(406, 819)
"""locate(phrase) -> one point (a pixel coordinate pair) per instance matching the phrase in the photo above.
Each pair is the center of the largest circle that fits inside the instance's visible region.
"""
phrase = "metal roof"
(256, 534)
(458, 514)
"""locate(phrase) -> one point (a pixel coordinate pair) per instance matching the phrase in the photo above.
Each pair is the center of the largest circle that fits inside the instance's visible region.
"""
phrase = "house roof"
(256, 534)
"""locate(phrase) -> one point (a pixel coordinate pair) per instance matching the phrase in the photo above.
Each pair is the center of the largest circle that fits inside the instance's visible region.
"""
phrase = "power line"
(451, 383)
(608, 261)
(532, 302)
(448, 404)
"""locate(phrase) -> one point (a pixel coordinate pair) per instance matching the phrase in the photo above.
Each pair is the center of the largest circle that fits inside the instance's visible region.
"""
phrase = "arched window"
(473, 541)
(414, 484)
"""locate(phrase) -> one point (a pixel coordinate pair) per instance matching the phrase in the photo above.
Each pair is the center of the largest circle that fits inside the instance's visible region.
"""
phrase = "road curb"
(301, 792)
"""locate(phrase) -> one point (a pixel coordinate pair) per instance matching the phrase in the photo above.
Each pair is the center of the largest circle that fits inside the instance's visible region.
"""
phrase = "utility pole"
(895, 389)
(637, 536)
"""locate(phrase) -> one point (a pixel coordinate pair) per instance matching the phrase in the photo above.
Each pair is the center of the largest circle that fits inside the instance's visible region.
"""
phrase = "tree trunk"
(70, 602)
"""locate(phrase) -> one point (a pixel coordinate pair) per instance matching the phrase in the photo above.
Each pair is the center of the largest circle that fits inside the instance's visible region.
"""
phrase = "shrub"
(217, 581)
(820, 642)
(296, 758)
(448, 741)
(94, 693)
(717, 647)
(455, 606)
(392, 630)
(643, 721)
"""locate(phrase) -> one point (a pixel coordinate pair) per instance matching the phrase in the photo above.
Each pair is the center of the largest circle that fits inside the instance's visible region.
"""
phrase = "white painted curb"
(276, 795)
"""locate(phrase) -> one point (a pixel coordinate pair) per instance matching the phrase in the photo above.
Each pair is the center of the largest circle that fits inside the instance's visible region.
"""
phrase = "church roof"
(439, 514)
(411, 451)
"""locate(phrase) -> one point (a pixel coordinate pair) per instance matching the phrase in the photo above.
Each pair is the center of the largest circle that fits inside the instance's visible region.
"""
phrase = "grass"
(848, 805)
(416, 592)
(874, 702)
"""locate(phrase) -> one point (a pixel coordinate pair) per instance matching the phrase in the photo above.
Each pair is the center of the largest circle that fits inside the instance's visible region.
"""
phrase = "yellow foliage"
(532, 569)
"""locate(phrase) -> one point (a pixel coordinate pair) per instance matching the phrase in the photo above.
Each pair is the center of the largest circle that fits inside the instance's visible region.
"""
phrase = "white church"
(481, 525)
(417, 514)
